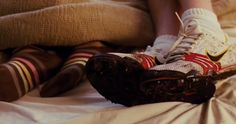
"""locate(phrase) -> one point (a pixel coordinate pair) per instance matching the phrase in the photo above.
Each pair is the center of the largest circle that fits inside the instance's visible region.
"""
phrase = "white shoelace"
(188, 34)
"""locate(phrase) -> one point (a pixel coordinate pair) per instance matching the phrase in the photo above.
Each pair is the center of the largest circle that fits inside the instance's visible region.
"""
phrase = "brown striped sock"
(72, 73)
(27, 68)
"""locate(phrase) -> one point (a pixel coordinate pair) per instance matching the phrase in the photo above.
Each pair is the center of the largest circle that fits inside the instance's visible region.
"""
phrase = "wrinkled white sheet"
(31, 109)
(219, 110)
(84, 105)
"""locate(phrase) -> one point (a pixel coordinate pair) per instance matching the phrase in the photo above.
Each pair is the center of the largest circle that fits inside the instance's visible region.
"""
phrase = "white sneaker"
(116, 75)
(153, 55)
(200, 50)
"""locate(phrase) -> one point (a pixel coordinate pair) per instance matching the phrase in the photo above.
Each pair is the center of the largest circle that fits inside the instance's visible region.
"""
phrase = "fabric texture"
(74, 22)
(71, 22)
(27, 69)
(84, 105)
(72, 73)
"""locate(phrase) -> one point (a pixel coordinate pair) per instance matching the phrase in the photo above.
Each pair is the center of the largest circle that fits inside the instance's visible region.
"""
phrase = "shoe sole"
(224, 75)
(166, 86)
(116, 78)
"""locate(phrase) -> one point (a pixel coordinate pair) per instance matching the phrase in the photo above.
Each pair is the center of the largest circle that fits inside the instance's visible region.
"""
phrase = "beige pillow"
(71, 24)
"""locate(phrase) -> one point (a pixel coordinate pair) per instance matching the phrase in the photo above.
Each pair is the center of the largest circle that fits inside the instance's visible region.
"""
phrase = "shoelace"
(188, 34)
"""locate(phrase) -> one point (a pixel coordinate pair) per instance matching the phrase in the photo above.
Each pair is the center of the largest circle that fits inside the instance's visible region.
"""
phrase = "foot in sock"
(27, 68)
(201, 51)
(72, 72)
(114, 75)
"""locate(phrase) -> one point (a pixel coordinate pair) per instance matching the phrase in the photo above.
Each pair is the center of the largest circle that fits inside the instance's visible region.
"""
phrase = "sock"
(27, 68)
(206, 19)
(3, 57)
(161, 46)
(72, 73)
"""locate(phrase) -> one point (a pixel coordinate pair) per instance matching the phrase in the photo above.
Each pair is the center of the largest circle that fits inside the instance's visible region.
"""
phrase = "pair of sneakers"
(184, 70)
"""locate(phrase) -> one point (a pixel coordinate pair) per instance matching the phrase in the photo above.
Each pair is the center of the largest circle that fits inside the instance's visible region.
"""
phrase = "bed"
(84, 105)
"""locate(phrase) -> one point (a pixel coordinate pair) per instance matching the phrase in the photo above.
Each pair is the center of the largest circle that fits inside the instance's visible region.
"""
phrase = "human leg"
(163, 16)
(72, 72)
(28, 68)
(201, 51)
(189, 4)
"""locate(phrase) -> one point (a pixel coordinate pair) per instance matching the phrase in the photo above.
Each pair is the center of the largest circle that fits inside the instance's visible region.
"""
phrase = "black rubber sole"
(125, 81)
(224, 75)
(166, 86)
(116, 78)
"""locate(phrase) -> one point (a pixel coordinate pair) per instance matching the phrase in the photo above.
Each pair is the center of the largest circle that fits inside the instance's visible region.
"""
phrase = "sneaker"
(114, 75)
(200, 53)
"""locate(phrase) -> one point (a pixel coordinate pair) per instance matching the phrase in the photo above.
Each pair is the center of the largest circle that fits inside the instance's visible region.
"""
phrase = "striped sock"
(27, 68)
(72, 73)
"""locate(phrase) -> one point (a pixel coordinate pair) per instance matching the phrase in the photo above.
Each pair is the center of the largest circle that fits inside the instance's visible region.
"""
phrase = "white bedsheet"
(84, 105)
(31, 109)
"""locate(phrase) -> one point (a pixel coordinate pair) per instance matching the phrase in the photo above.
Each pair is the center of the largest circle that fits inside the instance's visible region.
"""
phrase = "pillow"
(121, 23)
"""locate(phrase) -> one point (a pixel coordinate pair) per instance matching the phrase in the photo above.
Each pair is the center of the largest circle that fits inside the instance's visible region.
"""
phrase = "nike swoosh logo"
(216, 57)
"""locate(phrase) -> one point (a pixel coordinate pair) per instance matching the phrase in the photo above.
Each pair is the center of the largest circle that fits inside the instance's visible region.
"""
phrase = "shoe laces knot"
(189, 33)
